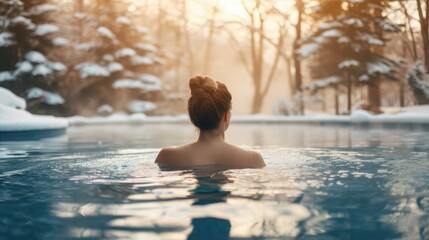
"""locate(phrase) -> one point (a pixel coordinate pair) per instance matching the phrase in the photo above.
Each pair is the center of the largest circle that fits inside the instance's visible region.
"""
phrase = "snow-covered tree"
(347, 44)
(418, 81)
(118, 71)
(27, 36)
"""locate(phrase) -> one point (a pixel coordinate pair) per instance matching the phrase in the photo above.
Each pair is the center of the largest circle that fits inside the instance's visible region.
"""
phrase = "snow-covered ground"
(13, 119)
(411, 115)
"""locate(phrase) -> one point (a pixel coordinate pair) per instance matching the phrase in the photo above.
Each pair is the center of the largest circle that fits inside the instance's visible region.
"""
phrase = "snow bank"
(414, 115)
(12, 120)
(7, 98)
(124, 118)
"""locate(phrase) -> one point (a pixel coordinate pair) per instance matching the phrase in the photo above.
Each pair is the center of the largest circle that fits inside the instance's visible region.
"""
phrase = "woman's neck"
(212, 135)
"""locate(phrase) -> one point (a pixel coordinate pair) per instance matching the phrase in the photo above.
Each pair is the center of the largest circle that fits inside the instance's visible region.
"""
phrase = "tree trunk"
(290, 77)
(349, 93)
(337, 101)
(410, 29)
(401, 93)
(80, 8)
(257, 103)
(424, 27)
(374, 95)
(297, 60)
(207, 56)
(188, 47)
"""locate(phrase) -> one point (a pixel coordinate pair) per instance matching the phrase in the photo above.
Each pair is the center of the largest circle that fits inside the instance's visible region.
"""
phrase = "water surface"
(332, 182)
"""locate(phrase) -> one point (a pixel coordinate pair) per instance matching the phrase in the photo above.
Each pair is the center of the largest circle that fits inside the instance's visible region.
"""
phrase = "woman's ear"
(227, 116)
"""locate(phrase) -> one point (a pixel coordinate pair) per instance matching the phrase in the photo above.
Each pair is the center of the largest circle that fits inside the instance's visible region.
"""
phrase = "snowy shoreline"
(416, 115)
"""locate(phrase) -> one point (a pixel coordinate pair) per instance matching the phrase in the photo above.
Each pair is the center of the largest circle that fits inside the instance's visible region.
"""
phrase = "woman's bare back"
(209, 153)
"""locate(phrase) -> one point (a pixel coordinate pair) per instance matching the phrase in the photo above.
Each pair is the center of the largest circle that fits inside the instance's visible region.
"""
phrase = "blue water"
(332, 182)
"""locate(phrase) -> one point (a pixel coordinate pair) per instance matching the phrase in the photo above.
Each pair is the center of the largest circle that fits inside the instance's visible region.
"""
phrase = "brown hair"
(208, 103)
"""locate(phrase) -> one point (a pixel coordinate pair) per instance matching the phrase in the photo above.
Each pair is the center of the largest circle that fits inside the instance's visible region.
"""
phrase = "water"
(333, 182)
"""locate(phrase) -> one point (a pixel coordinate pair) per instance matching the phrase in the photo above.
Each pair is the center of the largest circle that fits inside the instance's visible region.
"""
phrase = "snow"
(86, 46)
(360, 116)
(307, 49)
(115, 67)
(146, 47)
(149, 78)
(12, 120)
(319, 39)
(158, 60)
(116, 118)
(60, 42)
(152, 88)
(105, 32)
(80, 15)
(35, 57)
(332, 33)
(322, 83)
(354, 22)
(7, 98)
(6, 76)
(6, 39)
(49, 97)
(123, 20)
(141, 106)
(418, 80)
(328, 25)
(90, 69)
(41, 9)
(142, 29)
(105, 108)
(411, 115)
(44, 29)
(388, 26)
(42, 70)
(23, 21)
(129, 83)
(374, 68)
(57, 66)
(348, 64)
(35, 93)
(125, 52)
(23, 67)
(372, 40)
(364, 78)
(108, 57)
(343, 40)
(135, 84)
(139, 60)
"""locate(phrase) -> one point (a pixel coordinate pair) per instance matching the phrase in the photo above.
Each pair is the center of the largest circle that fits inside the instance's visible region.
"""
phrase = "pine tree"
(27, 36)
(117, 73)
(347, 43)
(418, 81)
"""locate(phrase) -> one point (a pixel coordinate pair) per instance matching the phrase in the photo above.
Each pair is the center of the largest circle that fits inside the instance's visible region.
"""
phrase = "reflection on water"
(319, 183)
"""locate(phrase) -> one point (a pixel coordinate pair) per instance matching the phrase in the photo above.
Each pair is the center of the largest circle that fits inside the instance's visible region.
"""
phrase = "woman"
(210, 111)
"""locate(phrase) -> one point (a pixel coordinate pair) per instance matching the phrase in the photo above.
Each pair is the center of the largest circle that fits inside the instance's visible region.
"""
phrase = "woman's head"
(209, 102)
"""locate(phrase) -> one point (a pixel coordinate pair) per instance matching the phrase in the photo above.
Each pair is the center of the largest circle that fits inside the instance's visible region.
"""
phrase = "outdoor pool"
(330, 182)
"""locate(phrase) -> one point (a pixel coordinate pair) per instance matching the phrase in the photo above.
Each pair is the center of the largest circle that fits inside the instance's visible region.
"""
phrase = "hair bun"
(202, 86)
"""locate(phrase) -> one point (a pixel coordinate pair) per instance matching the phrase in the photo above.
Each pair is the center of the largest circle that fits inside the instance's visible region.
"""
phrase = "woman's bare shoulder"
(166, 154)
(169, 154)
(248, 157)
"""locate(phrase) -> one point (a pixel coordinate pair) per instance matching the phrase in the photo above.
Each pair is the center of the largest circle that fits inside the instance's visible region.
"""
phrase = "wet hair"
(208, 103)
